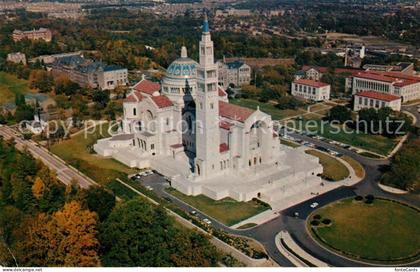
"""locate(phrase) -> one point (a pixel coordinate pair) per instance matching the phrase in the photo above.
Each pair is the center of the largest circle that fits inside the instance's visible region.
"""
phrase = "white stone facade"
(189, 132)
(311, 90)
(393, 83)
(370, 99)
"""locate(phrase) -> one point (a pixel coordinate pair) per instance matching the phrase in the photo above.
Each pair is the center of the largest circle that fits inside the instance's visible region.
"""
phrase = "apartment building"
(40, 34)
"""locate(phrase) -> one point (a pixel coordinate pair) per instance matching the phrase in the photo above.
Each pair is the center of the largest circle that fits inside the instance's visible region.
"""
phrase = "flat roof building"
(311, 90)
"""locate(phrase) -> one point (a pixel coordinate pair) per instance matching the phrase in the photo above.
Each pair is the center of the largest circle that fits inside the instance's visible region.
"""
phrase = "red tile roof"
(222, 92)
(147, 86)
(175, 146)
(312, 83)
(223, 148)
(234, 112)
(162, 101)
(225, 125)
(133, 97)
(396, 78)
(378, 96)
(324, 70)
(375, 76)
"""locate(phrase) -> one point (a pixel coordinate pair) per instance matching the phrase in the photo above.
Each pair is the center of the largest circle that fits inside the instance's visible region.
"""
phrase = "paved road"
(413, 110)
(286, 220)
(65, 173)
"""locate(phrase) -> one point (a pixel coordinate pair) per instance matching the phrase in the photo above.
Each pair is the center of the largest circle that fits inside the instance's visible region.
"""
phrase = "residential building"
(40, 34)
(233, 74)
(16, 58)
(189, 132)
(371, 99)
(311, 90)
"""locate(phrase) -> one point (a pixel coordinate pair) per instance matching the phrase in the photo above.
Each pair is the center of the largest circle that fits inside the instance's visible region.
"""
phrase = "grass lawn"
(76, 152)
(333, 169)
(270, 109)
(10, 85)
(385, 231)
(375, 143)
(369, 155)
(289, 143)
(358, 168)
(227, 211)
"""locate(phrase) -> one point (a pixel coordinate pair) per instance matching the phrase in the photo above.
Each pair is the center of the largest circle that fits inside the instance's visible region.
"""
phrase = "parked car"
(207, 221)
(149, 188)
(314, 205)
(193, 213)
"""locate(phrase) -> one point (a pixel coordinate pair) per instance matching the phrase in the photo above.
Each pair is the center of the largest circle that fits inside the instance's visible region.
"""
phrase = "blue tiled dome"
(183, 67)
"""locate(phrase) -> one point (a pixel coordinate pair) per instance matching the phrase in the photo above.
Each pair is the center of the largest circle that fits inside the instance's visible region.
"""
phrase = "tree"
(340, 114)
(67, 238)
(101, 98)
(139, 234)
(100, 201)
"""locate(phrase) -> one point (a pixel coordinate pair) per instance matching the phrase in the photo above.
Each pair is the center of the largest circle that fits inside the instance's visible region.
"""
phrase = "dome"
(183, 67)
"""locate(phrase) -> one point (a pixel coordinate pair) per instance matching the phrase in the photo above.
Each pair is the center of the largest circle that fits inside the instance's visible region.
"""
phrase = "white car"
(149, 188)
(205, 220)
(314, 205)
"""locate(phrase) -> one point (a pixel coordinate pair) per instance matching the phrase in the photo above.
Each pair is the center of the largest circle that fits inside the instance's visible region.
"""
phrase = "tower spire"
(206, 28)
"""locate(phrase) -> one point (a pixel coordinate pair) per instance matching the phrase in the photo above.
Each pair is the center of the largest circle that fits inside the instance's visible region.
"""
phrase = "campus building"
(233, 74)
(311, 90)
(394, 83)
(375, 100)
(40, 34)
(186, 129)
(18, 58)
(90, 73)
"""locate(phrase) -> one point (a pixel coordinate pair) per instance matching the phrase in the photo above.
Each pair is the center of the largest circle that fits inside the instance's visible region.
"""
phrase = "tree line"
(45, 223)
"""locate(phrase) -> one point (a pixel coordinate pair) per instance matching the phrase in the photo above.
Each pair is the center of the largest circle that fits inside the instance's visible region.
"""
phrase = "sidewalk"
(294, 253)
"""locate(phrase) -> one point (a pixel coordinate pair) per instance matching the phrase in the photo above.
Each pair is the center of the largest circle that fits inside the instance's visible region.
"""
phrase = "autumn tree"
(66, 238)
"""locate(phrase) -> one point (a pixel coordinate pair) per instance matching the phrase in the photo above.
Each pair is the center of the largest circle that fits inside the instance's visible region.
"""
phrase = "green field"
(226, 211)
(76, 151)
(375, 143)
(358, 168)
(382, 232)
(333, 169)
(270, 109)
(10, 85)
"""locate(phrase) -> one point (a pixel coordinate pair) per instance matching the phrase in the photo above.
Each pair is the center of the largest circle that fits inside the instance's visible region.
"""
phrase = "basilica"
(185, 128)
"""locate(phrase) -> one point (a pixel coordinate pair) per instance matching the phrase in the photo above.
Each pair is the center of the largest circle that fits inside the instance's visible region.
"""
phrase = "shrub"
(369, 201)
(326, 221)
(358, 198)
(369, 197)
(317, 216)
(315, 223)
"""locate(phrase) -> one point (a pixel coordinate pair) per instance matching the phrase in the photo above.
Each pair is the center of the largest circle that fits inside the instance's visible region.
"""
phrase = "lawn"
(333, 169)
(76, 151)
(270, 109)
(358, 168)
(382, 232)
(10, 85)
(227, 210)
(289, 143)
(375, 143)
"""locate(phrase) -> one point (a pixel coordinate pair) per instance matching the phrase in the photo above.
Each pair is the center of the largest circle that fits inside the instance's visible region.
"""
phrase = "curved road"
(286, 220)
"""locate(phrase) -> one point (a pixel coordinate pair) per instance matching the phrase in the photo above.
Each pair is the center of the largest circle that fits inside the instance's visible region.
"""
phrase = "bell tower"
(207, 109)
